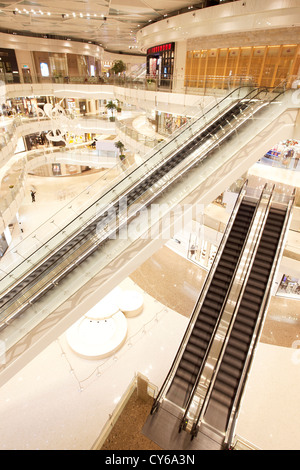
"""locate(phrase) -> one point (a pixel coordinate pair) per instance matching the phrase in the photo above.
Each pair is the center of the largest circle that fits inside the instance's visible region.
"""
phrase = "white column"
(179, 66)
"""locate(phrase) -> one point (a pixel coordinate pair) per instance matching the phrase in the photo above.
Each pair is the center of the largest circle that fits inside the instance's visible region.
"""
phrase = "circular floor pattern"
(96, 339)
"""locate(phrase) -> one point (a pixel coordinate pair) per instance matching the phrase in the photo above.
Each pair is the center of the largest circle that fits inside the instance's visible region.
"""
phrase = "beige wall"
(25, 58)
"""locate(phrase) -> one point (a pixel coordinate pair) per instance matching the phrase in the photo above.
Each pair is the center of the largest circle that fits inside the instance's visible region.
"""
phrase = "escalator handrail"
(191, 397)
(258, 326)
(204, 289)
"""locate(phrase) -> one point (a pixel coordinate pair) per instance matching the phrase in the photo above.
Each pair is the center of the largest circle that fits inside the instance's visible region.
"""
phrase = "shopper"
(32, 195)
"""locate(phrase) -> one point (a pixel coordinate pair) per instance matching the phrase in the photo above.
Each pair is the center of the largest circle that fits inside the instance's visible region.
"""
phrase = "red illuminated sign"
(163, 47)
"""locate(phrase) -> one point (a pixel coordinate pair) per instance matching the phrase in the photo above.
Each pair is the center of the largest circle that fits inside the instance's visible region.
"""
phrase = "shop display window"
(289, 287)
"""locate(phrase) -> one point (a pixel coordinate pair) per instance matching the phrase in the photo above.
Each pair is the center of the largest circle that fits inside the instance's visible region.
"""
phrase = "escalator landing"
(162, 428)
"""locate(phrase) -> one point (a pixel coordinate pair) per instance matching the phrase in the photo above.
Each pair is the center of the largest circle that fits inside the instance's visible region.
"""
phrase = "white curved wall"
(30, 43)
(240, 16)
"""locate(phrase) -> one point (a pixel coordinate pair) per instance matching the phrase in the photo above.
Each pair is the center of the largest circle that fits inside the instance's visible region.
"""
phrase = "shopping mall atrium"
(149, 225)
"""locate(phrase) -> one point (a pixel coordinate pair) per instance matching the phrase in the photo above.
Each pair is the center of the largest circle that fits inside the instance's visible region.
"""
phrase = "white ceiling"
(111, 23)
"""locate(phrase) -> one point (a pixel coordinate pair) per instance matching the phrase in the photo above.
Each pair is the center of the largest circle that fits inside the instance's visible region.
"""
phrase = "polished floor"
(61, 401)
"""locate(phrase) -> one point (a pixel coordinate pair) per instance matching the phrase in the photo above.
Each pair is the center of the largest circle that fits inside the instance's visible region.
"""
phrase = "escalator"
(231, 368)
(82, 242)
(204, 393)
(190, 363)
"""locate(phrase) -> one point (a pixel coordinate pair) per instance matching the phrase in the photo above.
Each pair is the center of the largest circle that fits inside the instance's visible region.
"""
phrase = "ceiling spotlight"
(48, 13)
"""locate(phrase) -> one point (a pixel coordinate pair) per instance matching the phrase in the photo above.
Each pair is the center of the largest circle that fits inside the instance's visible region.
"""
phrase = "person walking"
(32, 195)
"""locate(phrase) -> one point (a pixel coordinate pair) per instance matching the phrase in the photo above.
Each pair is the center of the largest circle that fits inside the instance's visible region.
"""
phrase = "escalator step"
(208, 315)
(224, 392)
(262, 263)
(251, 298)
(213, 304)
(270, 234)
(219, 282)
(193, 347)
(234, 357)
(248, 310)
(188, 367)
(256, 284)
(189, 361)
(214, 297)
(223, 271)
(230, 370)
(227, 380)
(185, 376)
(241, 336)
(222, 399)
(246, 318)
(206, 327)
(216, 291)
(254, 290)
(268, 252)
(243, 327)
(232, 253)
(259, 272)
(229, 259)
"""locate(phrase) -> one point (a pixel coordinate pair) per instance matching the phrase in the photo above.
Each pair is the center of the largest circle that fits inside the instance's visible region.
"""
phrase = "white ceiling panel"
(112, 23)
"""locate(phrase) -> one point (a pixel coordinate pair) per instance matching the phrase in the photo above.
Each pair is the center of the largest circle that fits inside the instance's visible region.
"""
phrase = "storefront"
(9, 72)
(285, 154)
(166, 123)
(36, 140)
(160, 63)
(289, 287)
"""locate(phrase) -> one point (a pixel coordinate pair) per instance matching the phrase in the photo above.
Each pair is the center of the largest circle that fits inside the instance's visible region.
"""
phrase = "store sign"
(164, 47)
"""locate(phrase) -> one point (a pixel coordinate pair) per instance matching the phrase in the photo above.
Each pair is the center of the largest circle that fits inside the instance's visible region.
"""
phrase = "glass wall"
(228, 67)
